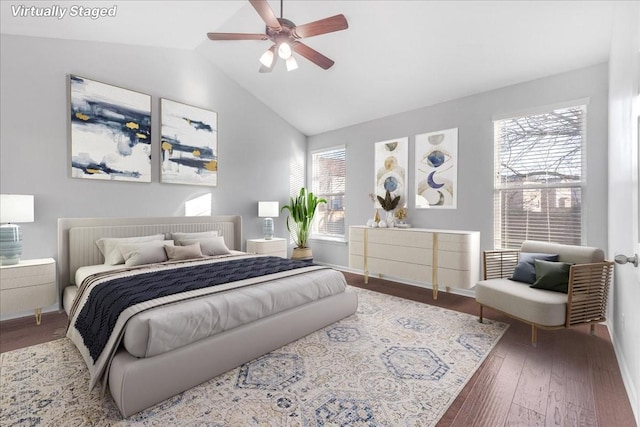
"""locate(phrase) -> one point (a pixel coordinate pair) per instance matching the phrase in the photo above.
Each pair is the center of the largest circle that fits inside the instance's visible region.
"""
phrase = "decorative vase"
(390, 219)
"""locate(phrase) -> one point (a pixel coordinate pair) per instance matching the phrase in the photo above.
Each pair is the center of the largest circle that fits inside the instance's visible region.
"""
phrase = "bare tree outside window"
(538, 177)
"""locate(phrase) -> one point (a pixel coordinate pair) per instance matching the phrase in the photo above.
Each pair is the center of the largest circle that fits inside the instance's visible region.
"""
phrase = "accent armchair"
(587, 286)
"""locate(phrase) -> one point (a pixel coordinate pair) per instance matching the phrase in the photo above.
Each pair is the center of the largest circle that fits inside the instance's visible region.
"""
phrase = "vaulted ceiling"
(395, 56)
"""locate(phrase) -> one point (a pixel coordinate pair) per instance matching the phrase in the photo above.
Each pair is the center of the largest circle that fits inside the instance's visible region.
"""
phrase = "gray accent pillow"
(108, 246)
(178, 253)
(210, 247)
(145, 253)
(180, 236)
(525, 271)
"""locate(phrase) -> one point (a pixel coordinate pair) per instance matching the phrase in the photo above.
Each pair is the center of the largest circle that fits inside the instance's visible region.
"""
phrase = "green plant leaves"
(301, 212)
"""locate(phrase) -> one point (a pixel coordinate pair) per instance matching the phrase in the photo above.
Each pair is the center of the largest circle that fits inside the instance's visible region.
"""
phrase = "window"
(538, 185)
(328, 181)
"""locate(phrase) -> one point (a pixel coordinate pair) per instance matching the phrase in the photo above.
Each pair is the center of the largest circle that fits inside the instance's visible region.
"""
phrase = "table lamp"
(13, 208)
(268, 211)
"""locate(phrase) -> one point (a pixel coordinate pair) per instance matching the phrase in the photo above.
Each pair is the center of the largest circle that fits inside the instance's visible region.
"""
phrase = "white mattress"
(165, 328)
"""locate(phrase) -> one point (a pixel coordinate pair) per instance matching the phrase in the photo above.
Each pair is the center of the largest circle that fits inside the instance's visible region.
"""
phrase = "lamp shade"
(16, 208)
(268, 209)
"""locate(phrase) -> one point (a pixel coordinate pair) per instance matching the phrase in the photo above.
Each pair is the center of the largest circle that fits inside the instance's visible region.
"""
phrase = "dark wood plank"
(522, 417)
(23, 332)
(532, 392)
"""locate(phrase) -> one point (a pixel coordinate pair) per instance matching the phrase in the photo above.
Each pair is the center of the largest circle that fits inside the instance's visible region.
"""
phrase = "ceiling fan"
(285, 35)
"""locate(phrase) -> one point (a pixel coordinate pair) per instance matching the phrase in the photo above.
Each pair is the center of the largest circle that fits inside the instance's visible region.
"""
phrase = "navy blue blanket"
(107, 300)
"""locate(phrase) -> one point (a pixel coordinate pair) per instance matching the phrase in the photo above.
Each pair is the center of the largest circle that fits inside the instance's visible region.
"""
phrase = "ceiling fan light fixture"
(284, 50)
(267, 58)
(292, 64)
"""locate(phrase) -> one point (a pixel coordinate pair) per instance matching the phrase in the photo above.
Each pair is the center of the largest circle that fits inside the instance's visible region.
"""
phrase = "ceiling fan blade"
(267, 15)
(236, 36)
(323, 26)
(312, 55)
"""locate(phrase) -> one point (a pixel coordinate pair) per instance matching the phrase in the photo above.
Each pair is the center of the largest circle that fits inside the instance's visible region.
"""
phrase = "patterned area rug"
(395, 362)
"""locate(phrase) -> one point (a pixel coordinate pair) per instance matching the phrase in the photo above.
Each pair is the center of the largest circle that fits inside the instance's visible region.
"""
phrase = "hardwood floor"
(570, 379)
(23, 332)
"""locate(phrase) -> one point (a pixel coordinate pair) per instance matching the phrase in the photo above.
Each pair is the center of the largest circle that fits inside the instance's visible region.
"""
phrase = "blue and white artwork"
(391, 160)
(437, 169)
(189, 144)
(110, 132)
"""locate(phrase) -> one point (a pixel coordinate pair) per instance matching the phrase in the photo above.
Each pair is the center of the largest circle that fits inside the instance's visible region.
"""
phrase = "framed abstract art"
(436, 180)
(110, 132)
(189, 144)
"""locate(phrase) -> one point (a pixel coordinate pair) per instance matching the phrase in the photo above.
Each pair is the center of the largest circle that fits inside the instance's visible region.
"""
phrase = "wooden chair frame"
(586, 296)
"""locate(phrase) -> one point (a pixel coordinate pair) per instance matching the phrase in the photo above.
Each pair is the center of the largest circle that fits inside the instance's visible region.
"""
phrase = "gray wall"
(256, 147)
(473, 117)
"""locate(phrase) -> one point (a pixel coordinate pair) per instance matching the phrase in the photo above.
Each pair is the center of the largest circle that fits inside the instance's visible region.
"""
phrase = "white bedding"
(165, 328)
(156, 330)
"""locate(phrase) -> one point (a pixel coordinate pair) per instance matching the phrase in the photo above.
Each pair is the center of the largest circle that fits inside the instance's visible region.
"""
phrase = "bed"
(263, 312)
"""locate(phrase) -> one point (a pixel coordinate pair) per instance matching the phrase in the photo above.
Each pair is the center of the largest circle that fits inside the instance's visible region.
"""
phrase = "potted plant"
(301, 212)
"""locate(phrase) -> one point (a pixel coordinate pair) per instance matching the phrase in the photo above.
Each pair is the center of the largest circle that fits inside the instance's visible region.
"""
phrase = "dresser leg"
(435, 291)
(38, 314)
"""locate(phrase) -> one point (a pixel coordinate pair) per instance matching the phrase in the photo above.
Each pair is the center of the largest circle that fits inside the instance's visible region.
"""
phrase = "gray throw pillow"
(179, 253)
(525, 271)
(210, 247)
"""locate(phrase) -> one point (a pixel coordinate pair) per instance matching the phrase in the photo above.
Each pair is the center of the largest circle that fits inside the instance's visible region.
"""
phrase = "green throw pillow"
(552, 276)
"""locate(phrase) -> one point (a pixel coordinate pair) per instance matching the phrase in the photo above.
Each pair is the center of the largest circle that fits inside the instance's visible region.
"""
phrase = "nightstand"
(30, 284)
(275, 247)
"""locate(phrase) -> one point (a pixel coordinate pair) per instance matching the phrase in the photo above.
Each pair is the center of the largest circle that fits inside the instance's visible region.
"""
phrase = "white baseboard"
(629, 385)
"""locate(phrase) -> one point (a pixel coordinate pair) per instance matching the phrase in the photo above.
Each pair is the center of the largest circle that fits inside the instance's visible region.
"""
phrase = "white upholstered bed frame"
(137, 384)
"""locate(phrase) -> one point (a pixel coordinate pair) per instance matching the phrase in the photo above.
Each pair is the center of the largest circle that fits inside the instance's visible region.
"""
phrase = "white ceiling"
(395, 56)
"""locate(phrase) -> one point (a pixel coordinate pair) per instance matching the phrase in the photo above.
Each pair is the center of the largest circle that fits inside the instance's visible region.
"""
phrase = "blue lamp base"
(267, 228)
(10, 244)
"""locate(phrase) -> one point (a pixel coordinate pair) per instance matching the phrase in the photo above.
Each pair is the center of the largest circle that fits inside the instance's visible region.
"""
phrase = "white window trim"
(580, 102)
(323, 237)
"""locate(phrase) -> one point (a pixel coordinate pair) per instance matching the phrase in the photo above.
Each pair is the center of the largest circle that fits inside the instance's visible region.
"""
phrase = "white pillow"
(211, 246)
(178, 253)
(145, 252)
(177, 237)
(109, 246)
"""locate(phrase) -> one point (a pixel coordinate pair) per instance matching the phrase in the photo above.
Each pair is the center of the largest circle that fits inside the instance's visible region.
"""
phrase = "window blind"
(328, 182)
(539, 169)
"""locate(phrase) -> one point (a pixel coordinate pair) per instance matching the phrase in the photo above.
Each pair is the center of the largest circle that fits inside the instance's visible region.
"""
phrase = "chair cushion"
(539, 306)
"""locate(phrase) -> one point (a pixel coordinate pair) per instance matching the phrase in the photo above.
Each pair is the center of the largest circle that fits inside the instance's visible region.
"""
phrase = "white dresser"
(30, 284)
(449, 258)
